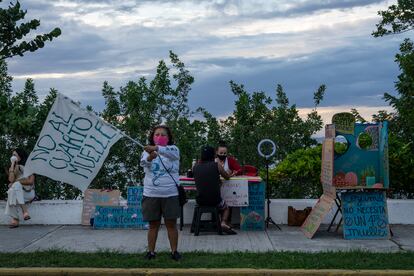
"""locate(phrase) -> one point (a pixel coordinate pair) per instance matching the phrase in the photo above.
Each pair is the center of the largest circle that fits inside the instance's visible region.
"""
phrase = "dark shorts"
(155, 207)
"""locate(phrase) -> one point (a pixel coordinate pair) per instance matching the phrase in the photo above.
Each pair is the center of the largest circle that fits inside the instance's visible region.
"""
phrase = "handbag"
(182, 196)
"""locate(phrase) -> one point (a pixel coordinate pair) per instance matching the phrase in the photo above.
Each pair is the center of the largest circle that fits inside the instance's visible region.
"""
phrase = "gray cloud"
(356, 68)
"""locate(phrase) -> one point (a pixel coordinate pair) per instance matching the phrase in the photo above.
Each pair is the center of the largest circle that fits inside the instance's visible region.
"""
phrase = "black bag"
(182, 197)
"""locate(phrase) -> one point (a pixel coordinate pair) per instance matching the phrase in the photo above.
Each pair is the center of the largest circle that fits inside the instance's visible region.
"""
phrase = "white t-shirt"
(157, 181)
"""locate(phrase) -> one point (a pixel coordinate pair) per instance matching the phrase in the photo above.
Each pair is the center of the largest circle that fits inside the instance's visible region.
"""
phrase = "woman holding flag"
(161, 162)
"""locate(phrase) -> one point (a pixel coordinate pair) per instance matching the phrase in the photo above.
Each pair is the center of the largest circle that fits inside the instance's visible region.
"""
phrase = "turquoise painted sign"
(118, 217)
(134, 196)
(253, 216)
(365, 159)
(365, 215)
(122, 216)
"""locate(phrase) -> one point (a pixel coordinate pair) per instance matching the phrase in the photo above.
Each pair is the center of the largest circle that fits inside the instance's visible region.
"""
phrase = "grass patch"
(271, 260)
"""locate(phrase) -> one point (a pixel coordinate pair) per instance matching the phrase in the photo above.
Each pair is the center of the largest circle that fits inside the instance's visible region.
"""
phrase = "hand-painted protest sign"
(330, 131)
(134, 196)
(118, 217)
(344, 122)
(235, 192)
(319, 211)
(327, 167)
(94, 197)
(72, 145)
(252, 217)
(365, 215)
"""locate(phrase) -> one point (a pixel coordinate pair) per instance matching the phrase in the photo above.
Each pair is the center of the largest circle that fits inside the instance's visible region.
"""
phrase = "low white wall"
(69, 211)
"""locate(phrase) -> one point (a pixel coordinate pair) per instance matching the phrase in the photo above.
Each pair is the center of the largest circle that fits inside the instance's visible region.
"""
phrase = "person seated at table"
(207, 180)
(229, 163)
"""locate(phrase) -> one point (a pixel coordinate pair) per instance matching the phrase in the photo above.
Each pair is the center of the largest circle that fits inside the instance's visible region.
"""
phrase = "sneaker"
(176, 256)
(149, 255)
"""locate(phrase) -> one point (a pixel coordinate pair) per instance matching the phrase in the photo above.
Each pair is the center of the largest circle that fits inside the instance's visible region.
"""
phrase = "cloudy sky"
(297, 43)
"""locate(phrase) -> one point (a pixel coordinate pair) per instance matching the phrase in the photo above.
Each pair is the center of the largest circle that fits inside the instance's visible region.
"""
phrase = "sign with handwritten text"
(72, 145)
(365, 215)
(327, 167)
(316, 216)
(252, 217)
(344, 122)
(93, 197)
(118, 217)
(235, 192)
(134, 196)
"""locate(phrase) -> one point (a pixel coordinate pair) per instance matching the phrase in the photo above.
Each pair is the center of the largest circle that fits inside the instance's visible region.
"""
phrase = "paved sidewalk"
(85, 239)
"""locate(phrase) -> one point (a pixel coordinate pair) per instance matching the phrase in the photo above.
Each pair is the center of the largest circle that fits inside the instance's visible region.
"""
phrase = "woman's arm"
(12, 172)
(223, 172)
(28, 181)
(170, 152)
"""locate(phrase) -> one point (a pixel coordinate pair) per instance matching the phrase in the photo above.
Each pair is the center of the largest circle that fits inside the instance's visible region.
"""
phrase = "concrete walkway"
(29, 238)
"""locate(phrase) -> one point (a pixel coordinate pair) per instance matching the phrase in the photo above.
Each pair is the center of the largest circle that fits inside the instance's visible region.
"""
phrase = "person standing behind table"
(21, 189)
(160, 197)
(229, 163)
(207, 180)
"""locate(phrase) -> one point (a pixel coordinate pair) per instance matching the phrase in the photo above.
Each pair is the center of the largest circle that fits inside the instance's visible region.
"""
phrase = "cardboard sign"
(330, 131)
(118, 217)
(235, 192)
(93, 197)
(327, 167)
(319, 211)
(252, 217)
(344, 122)
(365, 215)
(134, 196)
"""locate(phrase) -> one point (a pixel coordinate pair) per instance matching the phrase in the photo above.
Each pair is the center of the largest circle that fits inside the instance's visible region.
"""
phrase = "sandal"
(26, 216)
(14, 224)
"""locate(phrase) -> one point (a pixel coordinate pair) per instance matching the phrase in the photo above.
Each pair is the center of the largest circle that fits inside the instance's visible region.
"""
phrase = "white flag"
(72, 146)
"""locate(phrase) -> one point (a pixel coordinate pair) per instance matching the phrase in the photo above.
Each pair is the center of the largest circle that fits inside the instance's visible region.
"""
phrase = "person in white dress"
(21, 189)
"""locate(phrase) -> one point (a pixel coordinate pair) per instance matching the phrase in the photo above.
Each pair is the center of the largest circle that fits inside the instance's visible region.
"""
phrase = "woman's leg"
(154, 226)
(172, 233)
(225, 217)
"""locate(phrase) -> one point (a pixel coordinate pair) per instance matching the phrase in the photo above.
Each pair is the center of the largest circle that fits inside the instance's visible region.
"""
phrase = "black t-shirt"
(207, 181)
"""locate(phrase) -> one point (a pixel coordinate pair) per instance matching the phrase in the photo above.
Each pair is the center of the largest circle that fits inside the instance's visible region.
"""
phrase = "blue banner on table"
(252, 217)
(365, 215)
(118, 217)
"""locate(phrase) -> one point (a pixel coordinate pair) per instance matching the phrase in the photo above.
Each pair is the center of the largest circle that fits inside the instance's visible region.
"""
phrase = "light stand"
(269, 218)
(267, 158)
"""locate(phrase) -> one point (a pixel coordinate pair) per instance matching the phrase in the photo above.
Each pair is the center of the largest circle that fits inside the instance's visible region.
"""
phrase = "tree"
(255, 118)
(298, 175)
(397, 19)
(11, 34)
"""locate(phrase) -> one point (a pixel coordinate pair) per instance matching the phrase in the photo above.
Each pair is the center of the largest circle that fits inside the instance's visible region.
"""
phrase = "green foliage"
(397, 19)
(12, 34)
(347, 260)
(257, 116)
(298, 175)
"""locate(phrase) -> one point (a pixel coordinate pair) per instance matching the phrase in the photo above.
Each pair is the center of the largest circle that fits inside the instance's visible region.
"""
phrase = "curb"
(197, 271)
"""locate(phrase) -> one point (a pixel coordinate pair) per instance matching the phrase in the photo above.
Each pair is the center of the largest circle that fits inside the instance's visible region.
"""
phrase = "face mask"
(221, 157)
(13, 159)
(161, 140)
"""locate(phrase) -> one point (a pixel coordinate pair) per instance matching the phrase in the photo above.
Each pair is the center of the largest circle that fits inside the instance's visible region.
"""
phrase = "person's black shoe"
(149, 255)
(176, 256)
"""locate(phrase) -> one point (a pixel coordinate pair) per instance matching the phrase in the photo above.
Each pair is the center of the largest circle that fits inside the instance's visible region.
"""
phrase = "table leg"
(338, 210)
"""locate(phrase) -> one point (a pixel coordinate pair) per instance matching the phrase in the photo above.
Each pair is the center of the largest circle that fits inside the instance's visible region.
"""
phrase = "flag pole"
(132, 139)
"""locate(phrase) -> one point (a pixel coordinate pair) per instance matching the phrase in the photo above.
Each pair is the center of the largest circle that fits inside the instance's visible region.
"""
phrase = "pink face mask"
(161, 140)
